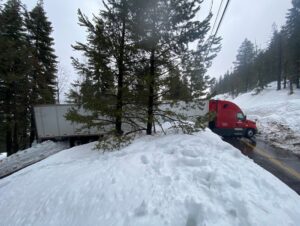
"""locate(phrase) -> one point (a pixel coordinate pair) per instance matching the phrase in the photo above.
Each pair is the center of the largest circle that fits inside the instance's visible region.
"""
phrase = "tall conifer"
(44, 64)
(14, 72)
(164, 31)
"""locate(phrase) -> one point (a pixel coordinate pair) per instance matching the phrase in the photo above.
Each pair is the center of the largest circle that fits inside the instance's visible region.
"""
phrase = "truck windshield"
(240, 116)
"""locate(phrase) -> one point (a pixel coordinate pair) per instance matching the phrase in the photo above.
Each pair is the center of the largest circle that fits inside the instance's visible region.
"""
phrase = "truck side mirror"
(245, 117)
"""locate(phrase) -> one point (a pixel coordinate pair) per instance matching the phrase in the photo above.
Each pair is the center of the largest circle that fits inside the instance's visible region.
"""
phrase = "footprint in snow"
(195, 213)
(144, 159)
(141, 210)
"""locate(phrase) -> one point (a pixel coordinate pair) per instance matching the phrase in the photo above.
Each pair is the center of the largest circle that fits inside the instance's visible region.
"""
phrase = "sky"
(252, 19)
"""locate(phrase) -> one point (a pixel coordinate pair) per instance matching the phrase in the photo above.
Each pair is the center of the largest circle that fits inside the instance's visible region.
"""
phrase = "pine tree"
(14, 71)
(164, 30)
(2, 117)
(134, 54)
(293, 33)
(108, 73)
(44, 64)
(260, 70)
(275, 49)
(243, 64)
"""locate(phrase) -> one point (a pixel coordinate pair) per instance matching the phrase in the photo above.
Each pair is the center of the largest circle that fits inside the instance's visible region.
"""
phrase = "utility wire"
(226, 7)
(211, 6)
(219, 25)
(219, 10)
(216, 19)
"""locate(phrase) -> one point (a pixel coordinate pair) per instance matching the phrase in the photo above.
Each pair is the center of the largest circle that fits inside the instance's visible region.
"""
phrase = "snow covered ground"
(277, 114)
(176, 180)
(29, 156)
(2, 155)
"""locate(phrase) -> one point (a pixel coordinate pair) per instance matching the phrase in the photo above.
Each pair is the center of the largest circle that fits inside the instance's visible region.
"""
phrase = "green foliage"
(201, 122)
(19, 66)
(164, 31)
(107, 85)
(177, 89)
(137, 58)
(111, 142)
(14, 75)
(292, 43)
(44, 64)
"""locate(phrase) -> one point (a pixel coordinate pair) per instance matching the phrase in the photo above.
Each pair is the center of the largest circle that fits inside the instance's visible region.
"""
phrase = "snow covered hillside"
(176, 180)
(277, 114)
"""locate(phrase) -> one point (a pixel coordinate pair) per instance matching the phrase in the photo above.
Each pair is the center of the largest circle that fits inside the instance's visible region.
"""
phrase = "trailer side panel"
(51, 123)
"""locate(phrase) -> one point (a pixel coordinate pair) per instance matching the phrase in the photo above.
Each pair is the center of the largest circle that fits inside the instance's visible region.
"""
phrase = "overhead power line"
(224, 12)
(219, 25)
(211, 6)
(216, 19)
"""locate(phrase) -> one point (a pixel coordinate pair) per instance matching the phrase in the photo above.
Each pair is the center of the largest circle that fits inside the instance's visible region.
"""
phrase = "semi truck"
(229, 120)
(51, 124)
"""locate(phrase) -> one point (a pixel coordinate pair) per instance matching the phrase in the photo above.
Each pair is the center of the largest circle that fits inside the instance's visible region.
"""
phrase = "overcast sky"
(250, 19)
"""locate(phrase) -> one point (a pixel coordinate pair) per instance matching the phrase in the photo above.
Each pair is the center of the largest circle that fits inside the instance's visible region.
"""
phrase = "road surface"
(282, 163)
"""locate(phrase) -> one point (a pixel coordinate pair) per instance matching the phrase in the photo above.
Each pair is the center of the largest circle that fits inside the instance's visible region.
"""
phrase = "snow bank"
(166, 180)
(277, 114)
(29, 156)
(3, 155)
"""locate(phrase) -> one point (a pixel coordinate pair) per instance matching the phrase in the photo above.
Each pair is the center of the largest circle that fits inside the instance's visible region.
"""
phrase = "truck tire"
(211, 125)
(249, 133)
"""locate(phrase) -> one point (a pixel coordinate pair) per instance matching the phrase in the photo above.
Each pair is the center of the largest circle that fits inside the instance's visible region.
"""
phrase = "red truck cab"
(229, 120)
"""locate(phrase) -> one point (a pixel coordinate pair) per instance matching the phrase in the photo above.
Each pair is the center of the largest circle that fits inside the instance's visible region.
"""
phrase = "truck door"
(240, 120)
(239, 124)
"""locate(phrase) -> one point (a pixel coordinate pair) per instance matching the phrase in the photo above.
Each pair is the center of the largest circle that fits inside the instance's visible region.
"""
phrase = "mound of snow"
(3, 155)
(165, 180)
(29, 156)
(277, 114)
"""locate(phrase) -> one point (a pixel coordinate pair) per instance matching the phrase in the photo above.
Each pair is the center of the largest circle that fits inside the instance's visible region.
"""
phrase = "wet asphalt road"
(282, 163)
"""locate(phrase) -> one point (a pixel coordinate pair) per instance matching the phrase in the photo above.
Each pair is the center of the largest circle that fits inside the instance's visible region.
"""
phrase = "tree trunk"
(9, 140)
(34, 100)
(151, 93)
(279, 63)
(57, 93)
(15, 137)
(24, 138)
(291, 87)
(32, 135)
(298, 75)
(260, 80)
(284, 74)
(119, 113)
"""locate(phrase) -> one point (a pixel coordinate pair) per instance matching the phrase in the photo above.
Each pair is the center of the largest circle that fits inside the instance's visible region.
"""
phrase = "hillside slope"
(176, 180)
(277, 114)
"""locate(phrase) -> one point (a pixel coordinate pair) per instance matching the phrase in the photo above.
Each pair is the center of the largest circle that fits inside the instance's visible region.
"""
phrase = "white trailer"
(51, 123)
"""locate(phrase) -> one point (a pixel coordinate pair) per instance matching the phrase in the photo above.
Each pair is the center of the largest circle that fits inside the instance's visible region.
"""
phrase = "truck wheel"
(250, 133)
(71, 142)
(211, 124)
